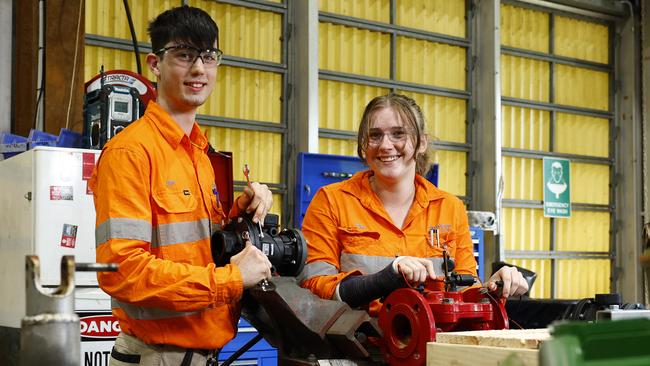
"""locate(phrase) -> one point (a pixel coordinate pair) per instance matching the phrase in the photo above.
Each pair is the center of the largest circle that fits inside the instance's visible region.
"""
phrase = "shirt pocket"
(175, 201)
(175, 207)
(434, 248)
(353, 239)
(448, 239)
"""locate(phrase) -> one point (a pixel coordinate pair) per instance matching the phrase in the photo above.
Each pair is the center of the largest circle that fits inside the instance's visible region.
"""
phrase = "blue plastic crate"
(11, 144)
(40, 138)
(68, 138)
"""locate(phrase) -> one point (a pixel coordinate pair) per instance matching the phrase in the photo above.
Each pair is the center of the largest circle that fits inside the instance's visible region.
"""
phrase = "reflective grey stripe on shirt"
(314, 269)
(164, 234)
(181, 232)
(122, 228)
(369, 264)
(143, 313)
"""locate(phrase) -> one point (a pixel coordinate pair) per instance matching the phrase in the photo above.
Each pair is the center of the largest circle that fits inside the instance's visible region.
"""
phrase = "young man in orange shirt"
(157, 207)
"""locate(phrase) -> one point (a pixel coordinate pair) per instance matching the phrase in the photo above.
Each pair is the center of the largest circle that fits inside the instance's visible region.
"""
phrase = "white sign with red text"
(98, 333)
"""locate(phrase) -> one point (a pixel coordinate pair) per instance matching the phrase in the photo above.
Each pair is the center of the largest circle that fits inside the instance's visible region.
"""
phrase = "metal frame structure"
(486, 124)
(645, 107)
(625, 184)
(217, 121)
(629, 177)
(393, 84)
(484, 100)
(303, 88)
(6, 62)
(553, 109)
(304, 73)
(300, 130)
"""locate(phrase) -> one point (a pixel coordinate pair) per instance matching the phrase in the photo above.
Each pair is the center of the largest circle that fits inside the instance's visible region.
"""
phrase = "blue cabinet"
(316, 171)
(262, 353)
(478, 241)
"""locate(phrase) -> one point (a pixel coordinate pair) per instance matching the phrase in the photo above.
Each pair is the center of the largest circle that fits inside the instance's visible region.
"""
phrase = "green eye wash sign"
(557, 187)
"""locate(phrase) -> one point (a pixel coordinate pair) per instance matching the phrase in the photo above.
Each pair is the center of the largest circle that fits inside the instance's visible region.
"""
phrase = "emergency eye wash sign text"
(557, 187)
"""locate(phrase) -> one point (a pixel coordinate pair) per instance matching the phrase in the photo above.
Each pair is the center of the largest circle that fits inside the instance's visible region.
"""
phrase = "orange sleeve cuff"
(324, 286)
(229, 285)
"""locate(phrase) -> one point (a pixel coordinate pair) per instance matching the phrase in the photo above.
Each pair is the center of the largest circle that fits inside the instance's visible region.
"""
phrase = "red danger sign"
(99, 326)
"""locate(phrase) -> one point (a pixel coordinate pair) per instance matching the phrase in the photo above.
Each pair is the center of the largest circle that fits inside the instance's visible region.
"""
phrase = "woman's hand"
(414, 269)
(514, 283)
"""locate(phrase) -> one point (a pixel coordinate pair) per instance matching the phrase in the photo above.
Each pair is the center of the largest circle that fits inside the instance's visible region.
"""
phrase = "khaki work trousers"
(130, 351)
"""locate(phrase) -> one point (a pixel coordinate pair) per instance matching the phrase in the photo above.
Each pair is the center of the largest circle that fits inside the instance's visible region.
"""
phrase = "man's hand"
(256, 199)
(514, 283)
(253, 265)
(414, 269)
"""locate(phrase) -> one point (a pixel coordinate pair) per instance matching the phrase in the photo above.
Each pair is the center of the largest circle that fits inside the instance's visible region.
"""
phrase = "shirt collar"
(359, 186)
(171, 131)
(425, 191)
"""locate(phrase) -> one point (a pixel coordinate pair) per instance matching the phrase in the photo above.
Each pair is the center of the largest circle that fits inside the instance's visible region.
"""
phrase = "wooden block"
(511, 338)
(443, 354)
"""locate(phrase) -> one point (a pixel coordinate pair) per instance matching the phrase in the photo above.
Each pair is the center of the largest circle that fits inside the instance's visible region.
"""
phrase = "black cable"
(38, 100)
(41, 49)
(133, 37)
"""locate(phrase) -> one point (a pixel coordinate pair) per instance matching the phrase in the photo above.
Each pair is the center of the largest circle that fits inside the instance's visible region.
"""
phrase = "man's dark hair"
(183, 24)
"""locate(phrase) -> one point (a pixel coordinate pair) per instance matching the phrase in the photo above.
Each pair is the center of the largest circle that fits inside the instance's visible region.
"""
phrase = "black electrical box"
(107, 111)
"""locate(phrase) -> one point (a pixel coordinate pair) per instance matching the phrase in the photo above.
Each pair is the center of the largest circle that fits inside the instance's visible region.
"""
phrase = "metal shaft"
(96, 267)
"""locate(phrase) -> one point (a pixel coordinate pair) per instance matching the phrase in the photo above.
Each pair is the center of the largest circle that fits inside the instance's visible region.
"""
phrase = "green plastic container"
(606, 343)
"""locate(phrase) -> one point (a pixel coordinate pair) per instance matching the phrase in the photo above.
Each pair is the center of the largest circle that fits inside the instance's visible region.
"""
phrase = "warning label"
(98, 326)
(61, 193)
(96, 358)
(98, 332)
(69, 236)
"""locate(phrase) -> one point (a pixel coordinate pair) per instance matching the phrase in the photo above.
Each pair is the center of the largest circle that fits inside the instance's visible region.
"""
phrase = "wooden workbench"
(486, 347)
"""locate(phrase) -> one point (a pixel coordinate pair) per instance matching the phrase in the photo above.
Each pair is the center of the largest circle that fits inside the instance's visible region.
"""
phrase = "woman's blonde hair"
(410, 114)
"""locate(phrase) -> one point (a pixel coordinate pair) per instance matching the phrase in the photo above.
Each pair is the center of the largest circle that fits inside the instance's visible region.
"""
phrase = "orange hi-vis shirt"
(157, 206)
(349, 232)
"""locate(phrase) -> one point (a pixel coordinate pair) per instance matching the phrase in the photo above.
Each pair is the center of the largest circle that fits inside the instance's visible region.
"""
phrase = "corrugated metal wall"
(365, 51)
(435, 16)
(246, 108)
(555, 75)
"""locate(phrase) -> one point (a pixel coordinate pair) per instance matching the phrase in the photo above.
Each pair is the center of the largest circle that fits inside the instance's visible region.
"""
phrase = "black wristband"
(360, 290)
